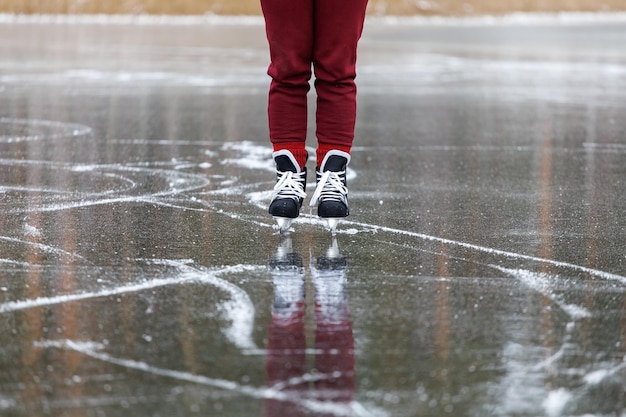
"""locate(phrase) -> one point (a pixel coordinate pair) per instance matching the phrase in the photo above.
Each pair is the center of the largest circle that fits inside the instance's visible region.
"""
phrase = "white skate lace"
(330, 187)
(289, 185)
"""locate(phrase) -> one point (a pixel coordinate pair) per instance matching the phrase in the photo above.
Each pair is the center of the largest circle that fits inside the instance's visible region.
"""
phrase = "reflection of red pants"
(322, 33)
(286, 359)
(286, 362)
(334, 344)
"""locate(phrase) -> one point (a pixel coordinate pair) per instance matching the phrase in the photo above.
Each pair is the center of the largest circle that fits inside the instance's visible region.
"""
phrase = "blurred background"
(251, 7)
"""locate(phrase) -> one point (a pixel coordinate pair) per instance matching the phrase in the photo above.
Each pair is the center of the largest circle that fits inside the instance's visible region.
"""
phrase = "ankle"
(324, 149)
(297, 149)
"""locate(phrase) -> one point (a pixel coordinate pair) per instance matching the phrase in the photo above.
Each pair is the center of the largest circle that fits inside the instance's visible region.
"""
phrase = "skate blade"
(332, 222)
(284, 223)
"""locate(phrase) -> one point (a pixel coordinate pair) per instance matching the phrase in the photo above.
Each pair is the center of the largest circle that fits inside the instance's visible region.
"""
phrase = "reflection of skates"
(329, 279)
(332, 380)
(287, 272)
(334, 342)
(286, 340)
(332, 263)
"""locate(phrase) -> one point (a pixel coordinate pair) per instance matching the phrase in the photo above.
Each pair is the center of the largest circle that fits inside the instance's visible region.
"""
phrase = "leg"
(289, 27)
(338, 27)
(337, 30)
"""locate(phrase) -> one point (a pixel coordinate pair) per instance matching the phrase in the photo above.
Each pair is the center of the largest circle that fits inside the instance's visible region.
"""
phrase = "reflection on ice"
(512, 19)
(13, 130)
(331, 380)
(238, 310)
(486, 272)
(544, 284)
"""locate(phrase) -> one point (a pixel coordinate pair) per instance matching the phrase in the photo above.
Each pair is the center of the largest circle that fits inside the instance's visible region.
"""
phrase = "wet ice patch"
(134, 79)
(14, 263)
(521, 387)
(544, 284)
(103, 184)
(7, 403)
(260, 199)
(250, 163)
(374, 228)
(237, 310)
(517, 19)
(556, 402)
(510, 19)
(31, 230)
(544, 80)
(60, 344)
(249, 155)
(44, 248)
(93, 350)
(597, 377)
(66, 298)
(129, 19)
(617, 148)
(83, 168)
(13, 130)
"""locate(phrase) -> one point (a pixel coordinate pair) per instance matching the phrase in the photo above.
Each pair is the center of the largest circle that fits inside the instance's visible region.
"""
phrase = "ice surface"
(532, 19)
(556, 401)
(481, 271)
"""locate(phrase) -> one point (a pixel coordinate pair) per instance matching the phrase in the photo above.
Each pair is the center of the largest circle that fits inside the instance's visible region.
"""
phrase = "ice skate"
(288, 191)
(331, 193)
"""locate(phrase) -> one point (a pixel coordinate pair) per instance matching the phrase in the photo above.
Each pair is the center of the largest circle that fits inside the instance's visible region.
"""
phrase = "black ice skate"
(331, 193)
(289, 189)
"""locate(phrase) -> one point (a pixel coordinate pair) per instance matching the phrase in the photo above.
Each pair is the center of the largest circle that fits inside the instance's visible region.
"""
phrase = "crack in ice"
(238, 310)
(94, 351)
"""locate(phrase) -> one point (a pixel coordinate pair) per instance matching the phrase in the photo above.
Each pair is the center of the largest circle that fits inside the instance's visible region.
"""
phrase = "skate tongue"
(286, 161)
(284, 164)
(334, 163)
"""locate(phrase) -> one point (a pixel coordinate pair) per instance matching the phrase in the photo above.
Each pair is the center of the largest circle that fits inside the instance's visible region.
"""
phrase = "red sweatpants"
(323, 34)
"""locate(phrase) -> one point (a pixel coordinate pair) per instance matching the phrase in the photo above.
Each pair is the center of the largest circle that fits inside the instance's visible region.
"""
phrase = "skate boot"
(288, 191)
(331, 193)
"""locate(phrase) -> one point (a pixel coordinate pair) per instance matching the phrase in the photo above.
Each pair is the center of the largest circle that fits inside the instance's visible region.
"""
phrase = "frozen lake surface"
(482, 271)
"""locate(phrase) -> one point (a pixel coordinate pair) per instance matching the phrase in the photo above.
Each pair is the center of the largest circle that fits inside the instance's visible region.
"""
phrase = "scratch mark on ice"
(42, 247)
(542, 284)
(93, 350)
(238, 309)
(484, 249)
